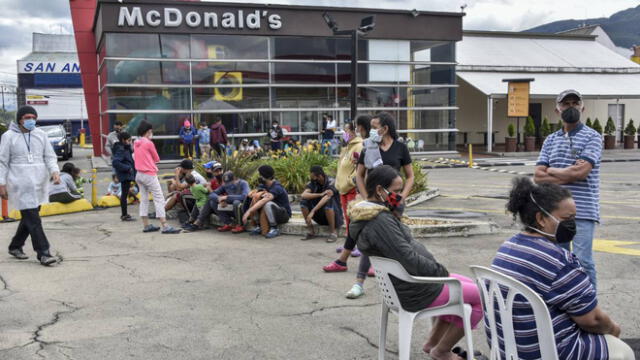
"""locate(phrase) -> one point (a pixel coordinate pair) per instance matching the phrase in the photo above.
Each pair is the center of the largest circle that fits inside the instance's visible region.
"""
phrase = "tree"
(610, 128)
(588, 123)
(511, 130)
(597, 127)
(630, 130)
(530, 127)
(545, 128)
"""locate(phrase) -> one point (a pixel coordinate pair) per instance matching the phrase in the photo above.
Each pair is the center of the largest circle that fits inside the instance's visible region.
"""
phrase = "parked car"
(61, 140)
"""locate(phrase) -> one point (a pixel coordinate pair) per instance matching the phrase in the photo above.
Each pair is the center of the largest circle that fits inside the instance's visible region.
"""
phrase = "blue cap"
(212, 165)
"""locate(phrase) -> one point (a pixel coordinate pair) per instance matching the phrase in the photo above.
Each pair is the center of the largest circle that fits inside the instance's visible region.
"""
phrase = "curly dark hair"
(520, 204)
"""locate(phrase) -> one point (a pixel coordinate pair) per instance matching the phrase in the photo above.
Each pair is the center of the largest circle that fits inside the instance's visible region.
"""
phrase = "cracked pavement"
(121, 294)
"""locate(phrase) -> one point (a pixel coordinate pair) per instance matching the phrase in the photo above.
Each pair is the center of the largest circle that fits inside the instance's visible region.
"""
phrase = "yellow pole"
(94, 187)
(82, 139)
(470, 155)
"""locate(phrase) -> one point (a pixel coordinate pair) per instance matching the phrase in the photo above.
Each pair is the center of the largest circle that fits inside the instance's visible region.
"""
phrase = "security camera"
(462, 7)
(367, 24)
(415, 13)
(330, 22)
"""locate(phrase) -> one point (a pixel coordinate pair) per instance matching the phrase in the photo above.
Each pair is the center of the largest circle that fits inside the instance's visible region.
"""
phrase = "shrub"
(588, 123)
(511, 130)
(293, 171)
(530, 127)
(3, 128)
(597, 127)
(244, 166)
(610, 128)
(630, 130)
(545, 128)
(559, 125)
(419, 178)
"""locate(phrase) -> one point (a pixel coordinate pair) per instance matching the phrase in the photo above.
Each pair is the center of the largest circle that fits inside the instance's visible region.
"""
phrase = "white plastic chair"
(383, 268)
(490, 283)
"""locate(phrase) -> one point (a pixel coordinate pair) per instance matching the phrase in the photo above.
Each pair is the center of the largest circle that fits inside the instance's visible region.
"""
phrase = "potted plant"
(510, 141)
(588, 123)
(597, 127)
(530, 135)
(545, 129)
(629, 135)
(609, 137)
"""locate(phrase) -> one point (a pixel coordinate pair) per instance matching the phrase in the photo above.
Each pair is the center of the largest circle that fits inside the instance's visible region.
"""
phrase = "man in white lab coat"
(27, 161)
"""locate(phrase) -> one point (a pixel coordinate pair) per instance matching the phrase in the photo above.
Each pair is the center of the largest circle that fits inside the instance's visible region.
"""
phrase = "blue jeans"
(583, 247)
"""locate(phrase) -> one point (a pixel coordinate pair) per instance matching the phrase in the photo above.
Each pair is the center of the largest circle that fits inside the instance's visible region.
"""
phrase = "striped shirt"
(561, 150)
(556, 275)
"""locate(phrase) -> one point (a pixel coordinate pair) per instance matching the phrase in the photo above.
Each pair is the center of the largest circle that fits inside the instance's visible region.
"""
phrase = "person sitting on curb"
(321, 203)
(270, 204)
(179, 189)
(79, 180)
(213, 172)
(65, 192)
(201, 194)
(231, 194)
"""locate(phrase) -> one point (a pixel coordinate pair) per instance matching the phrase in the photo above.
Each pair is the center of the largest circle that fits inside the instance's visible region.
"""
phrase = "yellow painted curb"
(112, 201)
(56, 208)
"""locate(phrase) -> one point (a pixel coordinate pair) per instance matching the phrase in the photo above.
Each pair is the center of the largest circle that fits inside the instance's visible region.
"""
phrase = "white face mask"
(150, 136)
(374, 136)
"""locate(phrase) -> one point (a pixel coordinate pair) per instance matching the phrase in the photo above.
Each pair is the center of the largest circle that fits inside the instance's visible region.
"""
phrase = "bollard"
(82, 139)
(94, 188)
(470, 155)
(5, 212)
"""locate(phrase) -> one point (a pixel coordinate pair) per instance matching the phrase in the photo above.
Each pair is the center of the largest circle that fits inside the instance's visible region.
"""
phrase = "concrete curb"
(51, 209)
(419, 198)
(447, 228)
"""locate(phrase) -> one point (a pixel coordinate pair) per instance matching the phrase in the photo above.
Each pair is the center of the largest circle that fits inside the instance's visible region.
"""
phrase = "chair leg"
(405, 331)
(382, 341)
(466, 322)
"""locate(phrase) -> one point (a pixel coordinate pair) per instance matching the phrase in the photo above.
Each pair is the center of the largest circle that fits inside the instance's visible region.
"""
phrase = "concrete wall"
(472, 116)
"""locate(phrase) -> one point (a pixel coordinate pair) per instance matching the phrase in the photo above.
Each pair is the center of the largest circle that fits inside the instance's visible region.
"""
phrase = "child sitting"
(200, 193)
(115, 187)
(79, 180)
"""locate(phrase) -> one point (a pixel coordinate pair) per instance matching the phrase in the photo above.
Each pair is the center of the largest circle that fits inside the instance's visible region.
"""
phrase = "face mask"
(571, 115)
(29, 124)
(346, 137)
(219, 178)
(374, 136)
(150, 136)
(209, 175)
(565, 231)
(394, 202)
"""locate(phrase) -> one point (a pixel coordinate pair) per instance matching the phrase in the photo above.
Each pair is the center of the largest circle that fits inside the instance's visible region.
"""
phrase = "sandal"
(309, 236)
(332, 238)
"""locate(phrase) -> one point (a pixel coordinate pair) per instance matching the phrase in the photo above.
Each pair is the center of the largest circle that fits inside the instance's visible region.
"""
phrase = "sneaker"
(355, 292)
(47, 260)
(150, 228)
(237, 229)
(371, 272)
(334, 267)
(256, 231)
(18, 254)
(127, 218)
(192, 228)
(225, 228)
(356, 253)
(170, 230)
(272, 233)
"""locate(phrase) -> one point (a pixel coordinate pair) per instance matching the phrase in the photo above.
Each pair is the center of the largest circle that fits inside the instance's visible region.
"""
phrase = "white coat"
(27, 183)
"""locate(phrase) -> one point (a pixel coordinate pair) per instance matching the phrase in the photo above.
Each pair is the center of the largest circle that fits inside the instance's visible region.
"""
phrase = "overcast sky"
(22, 17)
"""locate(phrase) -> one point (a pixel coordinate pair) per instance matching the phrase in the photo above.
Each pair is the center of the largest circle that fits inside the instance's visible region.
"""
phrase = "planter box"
(609, 142)
(529, 143)
(629, 141)
(510, 144)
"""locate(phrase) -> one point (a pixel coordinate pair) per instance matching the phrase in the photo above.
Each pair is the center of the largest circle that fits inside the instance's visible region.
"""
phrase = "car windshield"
(53, 131)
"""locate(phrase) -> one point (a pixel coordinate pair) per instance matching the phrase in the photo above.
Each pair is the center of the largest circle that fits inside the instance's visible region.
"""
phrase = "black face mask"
(571, 115)
(565, 232)
(209, 175)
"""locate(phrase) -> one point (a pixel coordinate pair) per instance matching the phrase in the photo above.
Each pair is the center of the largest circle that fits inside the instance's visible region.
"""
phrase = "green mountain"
(623, 27)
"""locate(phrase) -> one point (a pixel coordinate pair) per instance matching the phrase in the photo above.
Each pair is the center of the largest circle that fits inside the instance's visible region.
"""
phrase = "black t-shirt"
(396, 156)
(280, 196)
(329, 184)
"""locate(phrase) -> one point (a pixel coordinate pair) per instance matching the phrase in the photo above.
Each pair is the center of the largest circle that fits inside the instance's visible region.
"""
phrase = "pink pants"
(470, 295)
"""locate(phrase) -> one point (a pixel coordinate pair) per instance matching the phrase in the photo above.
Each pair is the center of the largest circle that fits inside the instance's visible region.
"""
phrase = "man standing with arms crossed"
(571, 157)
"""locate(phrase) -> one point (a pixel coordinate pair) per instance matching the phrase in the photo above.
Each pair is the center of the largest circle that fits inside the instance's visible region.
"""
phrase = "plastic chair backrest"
(491, 283)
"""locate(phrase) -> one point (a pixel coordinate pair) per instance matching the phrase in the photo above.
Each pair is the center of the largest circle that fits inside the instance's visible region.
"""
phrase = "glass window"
(310, 121)
(295, 73)
(288, 120)
(421, 97)
(163, 124)
(436, 51)
(230, 98)
(238, 123)
(424, 119)
(317, 48)
(378, 97)
(229, 47)
(131, 98)
(133, 45)
(434, 74)
(210, 72)
(174, 46)
(322, 97)
(147, 72)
